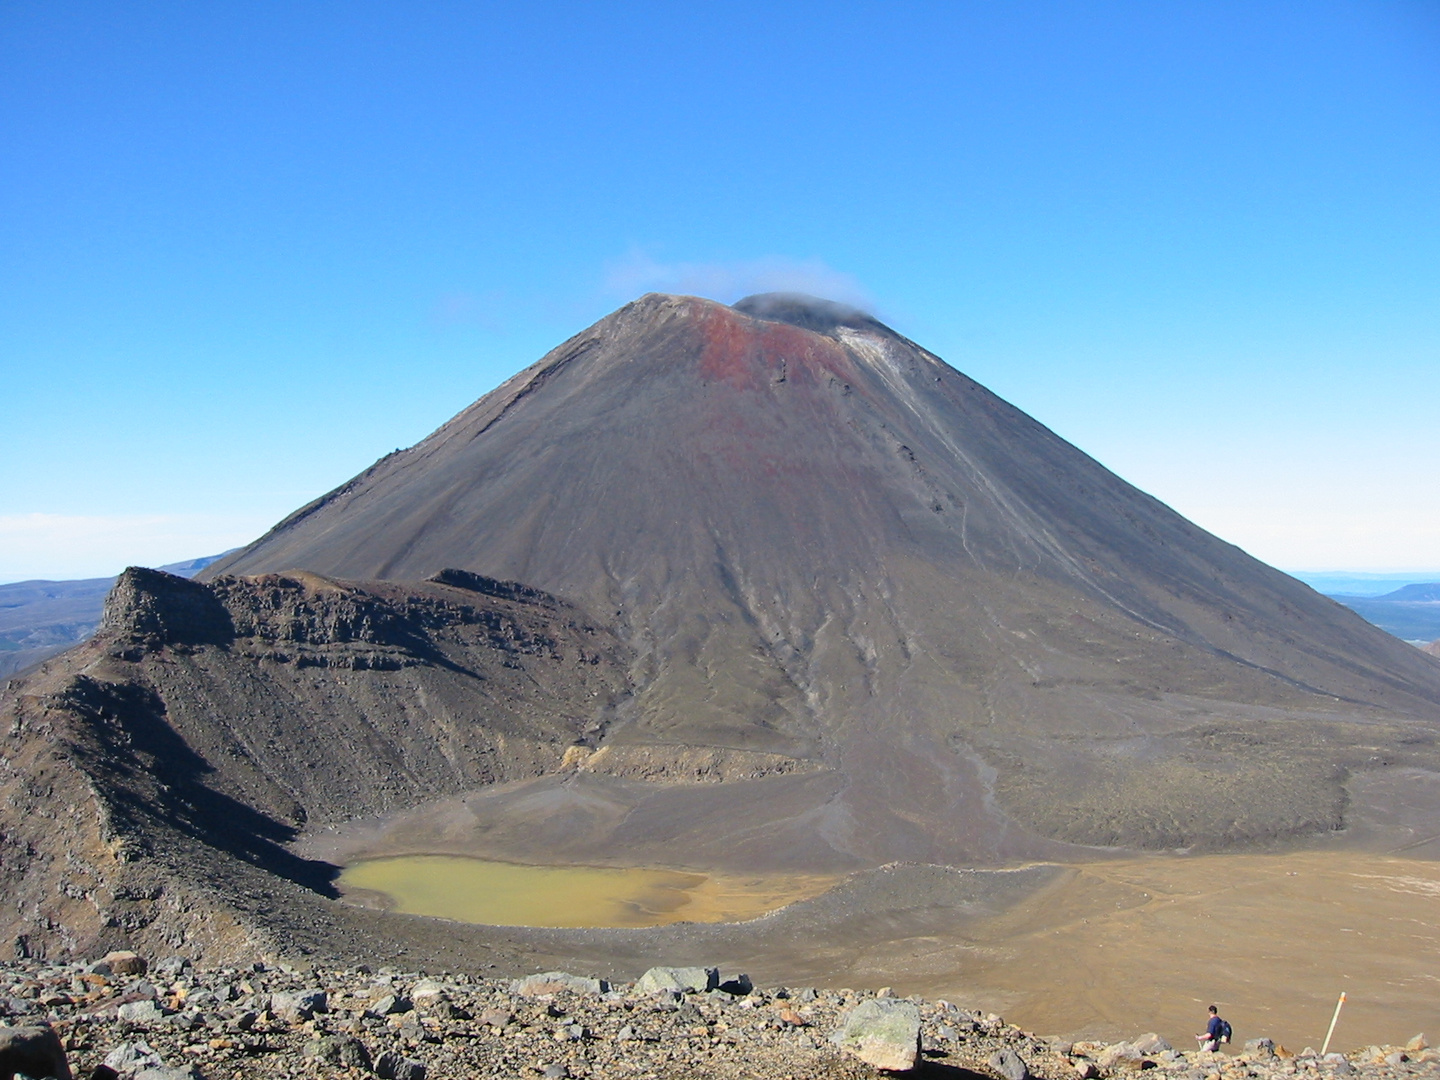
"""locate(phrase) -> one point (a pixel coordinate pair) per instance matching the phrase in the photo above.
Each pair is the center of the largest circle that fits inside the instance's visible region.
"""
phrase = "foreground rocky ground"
(170, 1021)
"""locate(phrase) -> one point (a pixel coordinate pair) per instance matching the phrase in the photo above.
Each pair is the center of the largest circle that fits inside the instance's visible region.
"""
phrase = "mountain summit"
(934, 628)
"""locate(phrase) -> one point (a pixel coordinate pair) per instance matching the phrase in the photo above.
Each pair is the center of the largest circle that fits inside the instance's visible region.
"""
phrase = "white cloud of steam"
(59, 547)
(727, 282)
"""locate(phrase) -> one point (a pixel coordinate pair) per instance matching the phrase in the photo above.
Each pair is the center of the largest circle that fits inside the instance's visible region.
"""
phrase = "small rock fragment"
(131, 1057)
(496, 1017)
(389, 1005)
(1009, 1064)
(171, 967)
(393, 1066)
(343, 1050)
(124, 962)
(789, 1016)
(1120, 1057)
(139, 1012)
(553, 982)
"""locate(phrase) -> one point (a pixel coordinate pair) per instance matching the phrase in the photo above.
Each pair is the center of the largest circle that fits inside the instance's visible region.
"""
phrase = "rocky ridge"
(154, 775)
(123, 1017)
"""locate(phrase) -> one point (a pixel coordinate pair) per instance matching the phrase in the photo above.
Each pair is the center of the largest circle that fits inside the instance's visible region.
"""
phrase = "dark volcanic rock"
(205, 724)
(758, 588)
(828, 546)
(39, 619)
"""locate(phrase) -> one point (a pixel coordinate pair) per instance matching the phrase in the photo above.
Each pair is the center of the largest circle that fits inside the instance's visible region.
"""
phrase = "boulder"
(139, 1061)
(139, 1012)
(124, 962)
(883, 1033)
(1415, 1045)
(1260, 1047)
(694, 979)
(495, 1017)
(1009, 1064)
(171, 967)
(393, 1066)
(1151, 1043)
(33, 1051)
(553, 982)
(427, 992)
(343, 1050)
(1121, 1057)
(299, 1006)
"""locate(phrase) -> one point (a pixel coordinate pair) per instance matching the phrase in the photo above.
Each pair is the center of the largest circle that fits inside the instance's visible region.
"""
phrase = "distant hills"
(1411, 612)
(39, 619)
(1360, 583)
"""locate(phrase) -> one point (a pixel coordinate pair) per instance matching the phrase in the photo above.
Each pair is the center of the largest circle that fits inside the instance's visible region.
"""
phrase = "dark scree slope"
(824, 545)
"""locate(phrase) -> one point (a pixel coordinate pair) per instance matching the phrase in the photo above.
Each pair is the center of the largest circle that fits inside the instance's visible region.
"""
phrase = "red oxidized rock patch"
(751, 354)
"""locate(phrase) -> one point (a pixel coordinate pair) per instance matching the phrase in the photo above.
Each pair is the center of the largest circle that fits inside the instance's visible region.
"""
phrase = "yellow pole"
(1338, 1004)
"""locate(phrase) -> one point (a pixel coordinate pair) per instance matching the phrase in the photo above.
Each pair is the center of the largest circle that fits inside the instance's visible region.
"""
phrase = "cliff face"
(187, 743)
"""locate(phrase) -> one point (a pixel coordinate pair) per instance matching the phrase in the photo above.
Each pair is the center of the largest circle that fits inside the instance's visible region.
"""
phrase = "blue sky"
(248, 248)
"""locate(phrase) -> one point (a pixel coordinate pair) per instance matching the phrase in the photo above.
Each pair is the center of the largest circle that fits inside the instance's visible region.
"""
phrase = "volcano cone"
(913, 622)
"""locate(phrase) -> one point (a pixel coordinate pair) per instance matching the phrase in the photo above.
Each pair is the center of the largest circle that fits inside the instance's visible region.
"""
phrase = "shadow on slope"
(147, 771)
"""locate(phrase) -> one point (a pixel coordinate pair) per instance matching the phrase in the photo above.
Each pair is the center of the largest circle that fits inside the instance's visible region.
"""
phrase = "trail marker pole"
(1334, 1018)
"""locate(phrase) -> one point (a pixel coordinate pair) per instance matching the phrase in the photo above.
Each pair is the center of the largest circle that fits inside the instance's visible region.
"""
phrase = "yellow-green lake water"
(511, 894)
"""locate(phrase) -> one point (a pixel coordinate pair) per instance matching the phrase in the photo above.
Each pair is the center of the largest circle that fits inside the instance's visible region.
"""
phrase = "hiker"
(1216, 1031)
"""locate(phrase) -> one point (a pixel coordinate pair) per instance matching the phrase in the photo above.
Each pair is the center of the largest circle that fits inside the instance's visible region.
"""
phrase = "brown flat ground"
(1106, 948)
(1117, 948)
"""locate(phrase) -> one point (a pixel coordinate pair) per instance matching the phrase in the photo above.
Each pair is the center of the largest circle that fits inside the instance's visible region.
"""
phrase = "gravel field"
(126, 1017)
